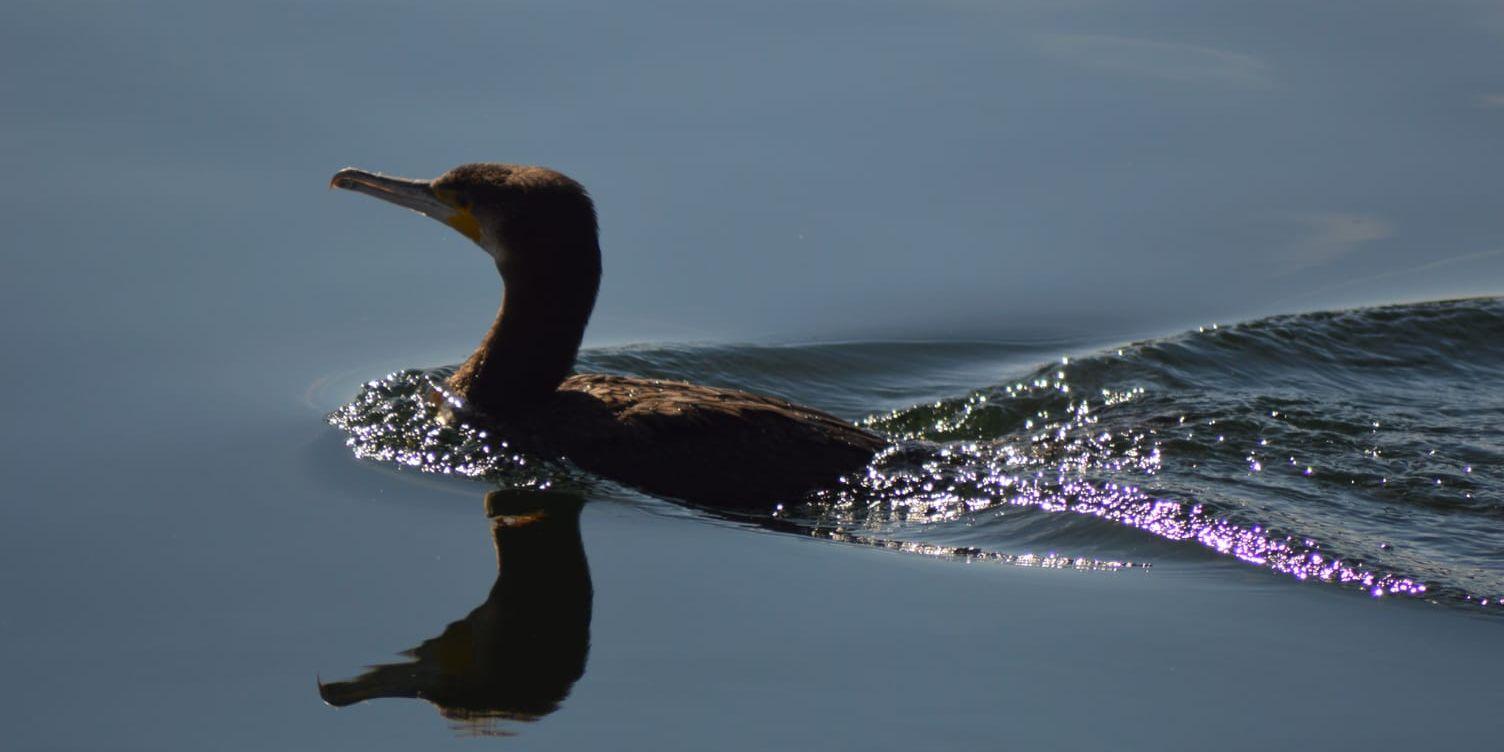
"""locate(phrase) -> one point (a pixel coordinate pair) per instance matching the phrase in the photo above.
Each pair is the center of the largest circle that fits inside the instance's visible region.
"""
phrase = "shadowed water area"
(515, 657)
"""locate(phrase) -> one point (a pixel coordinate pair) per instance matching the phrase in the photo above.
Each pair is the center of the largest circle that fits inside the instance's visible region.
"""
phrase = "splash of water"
(1357, 448)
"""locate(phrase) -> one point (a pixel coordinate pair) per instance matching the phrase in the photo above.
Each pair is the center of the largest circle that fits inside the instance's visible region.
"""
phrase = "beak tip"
(341, 179)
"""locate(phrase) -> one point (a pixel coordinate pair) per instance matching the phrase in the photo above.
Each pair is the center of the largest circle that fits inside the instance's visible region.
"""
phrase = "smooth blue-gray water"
(962, 193)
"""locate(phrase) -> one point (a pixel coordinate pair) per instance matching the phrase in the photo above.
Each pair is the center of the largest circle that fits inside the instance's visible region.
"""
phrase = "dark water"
(1359, 448)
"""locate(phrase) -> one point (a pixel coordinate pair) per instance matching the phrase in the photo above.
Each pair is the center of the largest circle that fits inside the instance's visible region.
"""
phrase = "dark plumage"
(718, 447)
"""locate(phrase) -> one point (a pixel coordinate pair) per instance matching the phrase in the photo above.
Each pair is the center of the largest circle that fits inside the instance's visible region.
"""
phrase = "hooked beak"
(418, 195)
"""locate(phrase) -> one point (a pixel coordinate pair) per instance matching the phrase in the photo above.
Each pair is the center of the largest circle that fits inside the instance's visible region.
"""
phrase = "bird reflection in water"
(516, 656)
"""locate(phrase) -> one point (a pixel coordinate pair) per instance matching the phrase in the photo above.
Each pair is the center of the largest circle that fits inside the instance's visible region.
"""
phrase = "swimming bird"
(707, 445)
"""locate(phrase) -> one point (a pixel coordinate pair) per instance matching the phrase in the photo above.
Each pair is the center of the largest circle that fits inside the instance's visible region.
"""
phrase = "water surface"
(1358, 448)
(956, 194)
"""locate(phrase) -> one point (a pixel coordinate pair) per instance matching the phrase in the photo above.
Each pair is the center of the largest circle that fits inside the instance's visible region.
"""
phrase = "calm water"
(958, 195)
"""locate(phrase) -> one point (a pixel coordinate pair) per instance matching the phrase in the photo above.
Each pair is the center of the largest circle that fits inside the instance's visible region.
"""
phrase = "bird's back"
(711, 446)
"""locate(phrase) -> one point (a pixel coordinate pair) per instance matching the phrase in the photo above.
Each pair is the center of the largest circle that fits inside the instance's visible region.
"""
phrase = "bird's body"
(718, 447)
(713, 446)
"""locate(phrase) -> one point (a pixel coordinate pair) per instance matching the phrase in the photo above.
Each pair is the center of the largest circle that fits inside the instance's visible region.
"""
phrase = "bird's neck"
(530, 348)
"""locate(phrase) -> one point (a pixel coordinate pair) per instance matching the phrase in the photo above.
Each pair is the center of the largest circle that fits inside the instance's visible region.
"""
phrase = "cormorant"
(711, 446)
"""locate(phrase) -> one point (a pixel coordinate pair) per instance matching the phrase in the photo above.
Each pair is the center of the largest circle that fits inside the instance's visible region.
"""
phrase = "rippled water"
(1357, 447)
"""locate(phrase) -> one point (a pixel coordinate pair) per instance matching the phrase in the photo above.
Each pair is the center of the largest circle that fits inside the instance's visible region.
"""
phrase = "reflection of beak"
(342, 694)
(417, 195)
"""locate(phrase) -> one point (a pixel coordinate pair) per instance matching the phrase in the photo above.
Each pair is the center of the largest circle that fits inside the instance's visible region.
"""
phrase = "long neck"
(531, 346)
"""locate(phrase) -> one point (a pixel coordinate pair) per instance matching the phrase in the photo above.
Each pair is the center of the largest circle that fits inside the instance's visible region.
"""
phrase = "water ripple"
(1358, 448)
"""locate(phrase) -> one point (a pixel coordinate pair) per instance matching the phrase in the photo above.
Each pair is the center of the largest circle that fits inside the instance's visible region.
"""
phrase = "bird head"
(532, 220)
